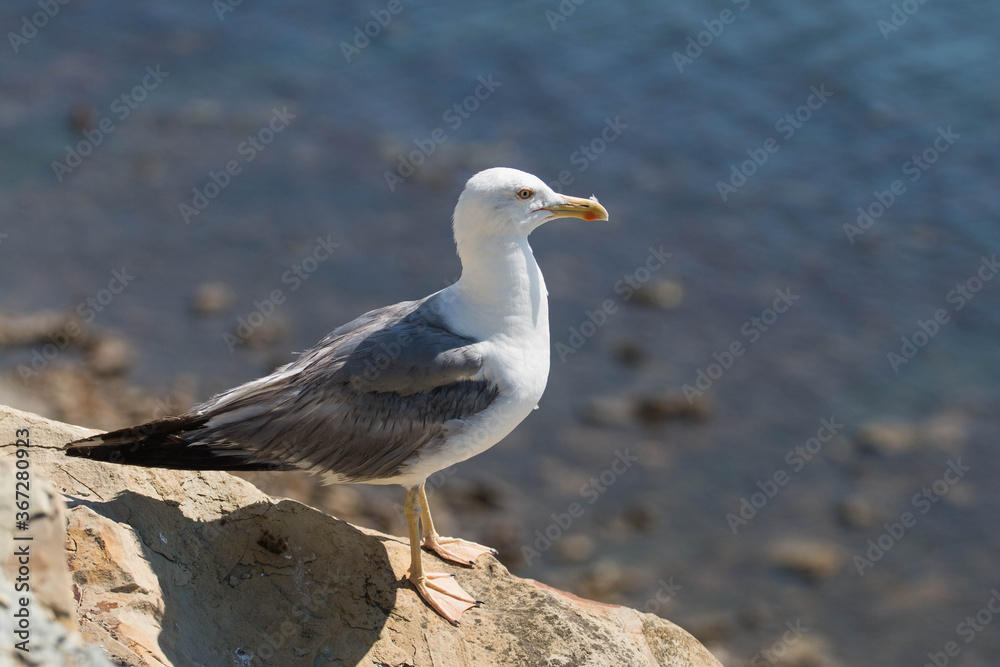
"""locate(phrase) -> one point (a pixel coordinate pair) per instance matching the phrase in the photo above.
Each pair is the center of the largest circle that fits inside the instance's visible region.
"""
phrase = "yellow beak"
(577, 207)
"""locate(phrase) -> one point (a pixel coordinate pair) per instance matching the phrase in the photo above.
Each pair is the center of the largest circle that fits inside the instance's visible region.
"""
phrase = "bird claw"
(444, 595)
(456, 550)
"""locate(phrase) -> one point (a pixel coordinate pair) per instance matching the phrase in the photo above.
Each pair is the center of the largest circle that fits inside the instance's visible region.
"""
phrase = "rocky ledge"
(157, 567)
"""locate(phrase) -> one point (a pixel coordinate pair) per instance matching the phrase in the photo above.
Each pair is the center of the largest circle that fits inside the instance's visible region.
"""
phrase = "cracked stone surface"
(201, 568)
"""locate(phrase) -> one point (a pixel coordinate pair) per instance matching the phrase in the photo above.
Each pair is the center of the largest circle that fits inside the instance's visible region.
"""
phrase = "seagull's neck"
(501, 288)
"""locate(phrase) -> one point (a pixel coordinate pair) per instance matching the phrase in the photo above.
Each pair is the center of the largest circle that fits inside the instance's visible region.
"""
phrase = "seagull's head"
(505, 203)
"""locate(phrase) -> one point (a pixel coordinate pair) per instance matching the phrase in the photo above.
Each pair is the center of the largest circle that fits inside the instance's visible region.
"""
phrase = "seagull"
(401, 392)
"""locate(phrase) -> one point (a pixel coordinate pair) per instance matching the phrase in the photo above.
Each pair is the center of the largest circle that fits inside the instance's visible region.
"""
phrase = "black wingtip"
(154, 444)
(167, 443)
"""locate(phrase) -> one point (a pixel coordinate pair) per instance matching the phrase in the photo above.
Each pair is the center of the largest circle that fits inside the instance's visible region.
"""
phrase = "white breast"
(514, 331)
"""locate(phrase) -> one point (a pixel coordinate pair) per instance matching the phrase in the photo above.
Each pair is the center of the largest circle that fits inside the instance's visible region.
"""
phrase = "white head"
(506, 203)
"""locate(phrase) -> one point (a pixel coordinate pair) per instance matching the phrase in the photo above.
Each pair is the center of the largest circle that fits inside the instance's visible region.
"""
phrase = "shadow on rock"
(266, 584)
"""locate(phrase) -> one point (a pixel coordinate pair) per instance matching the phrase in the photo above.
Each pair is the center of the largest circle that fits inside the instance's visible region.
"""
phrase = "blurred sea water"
(686, 122)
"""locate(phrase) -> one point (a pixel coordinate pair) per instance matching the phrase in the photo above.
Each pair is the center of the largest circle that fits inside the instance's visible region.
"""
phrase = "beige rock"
(184, 568)
(667, 406)
(51, 637)
(813, 559)
(212, 298)
(111, 355)
(888, 437)
(857, 511)
(609, 412)
(946, 431)
(575, 548)
(664, 294)
(46, 521)
(42, 328)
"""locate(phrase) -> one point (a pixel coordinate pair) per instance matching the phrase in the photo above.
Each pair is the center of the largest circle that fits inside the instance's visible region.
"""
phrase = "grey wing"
(360, 403)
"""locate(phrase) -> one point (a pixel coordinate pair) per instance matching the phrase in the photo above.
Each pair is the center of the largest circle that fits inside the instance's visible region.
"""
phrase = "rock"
(626, 412)
(609, 412)
(212, 298)
(806, 652)
(52, 637)
(664, 407)
(50, 643)
(814, 560)
(41, 329)
(641, 516)
(656, 455)
(176, 567)
(575, 548)
(82, 117)
(888, 438)
(947, 431)
(857, 512)
(630, 353)
(111, 355)
(660, 294)
(45, 520)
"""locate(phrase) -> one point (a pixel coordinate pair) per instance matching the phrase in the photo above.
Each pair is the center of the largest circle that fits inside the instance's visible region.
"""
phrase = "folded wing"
(358, 405)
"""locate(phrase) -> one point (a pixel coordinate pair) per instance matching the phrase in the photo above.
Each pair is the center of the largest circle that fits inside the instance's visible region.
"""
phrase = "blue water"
(784, 228)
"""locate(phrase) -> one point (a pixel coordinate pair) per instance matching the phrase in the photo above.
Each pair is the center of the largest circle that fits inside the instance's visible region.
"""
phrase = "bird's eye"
(524, 193)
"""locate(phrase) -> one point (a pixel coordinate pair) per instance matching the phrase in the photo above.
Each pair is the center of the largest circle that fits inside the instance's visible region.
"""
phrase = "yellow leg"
(439, 590)
(449, 548)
